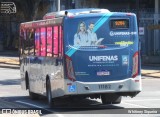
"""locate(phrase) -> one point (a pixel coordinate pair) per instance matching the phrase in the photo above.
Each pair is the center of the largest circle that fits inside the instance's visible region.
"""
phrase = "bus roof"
(82, 12)
(74, 12)
(55, 18)
(41, 23)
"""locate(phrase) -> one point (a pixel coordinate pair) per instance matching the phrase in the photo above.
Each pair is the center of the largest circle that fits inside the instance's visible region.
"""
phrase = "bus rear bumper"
(127, 87)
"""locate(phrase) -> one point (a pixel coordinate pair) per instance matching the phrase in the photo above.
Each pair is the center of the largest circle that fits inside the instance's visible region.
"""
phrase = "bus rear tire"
(49, 94)
(111, 98)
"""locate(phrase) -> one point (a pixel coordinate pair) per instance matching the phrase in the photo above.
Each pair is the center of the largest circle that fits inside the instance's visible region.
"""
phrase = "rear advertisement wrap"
(96, 52)
(104, 66)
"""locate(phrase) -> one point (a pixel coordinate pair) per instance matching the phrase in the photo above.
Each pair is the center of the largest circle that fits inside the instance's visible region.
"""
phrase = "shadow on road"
(82, 106)
(65, 106)
(10, 82)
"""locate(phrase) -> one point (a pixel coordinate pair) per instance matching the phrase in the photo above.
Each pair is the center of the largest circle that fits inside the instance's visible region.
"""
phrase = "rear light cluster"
(102, 46)
(69, 68)
(129, 14)
(135, 65)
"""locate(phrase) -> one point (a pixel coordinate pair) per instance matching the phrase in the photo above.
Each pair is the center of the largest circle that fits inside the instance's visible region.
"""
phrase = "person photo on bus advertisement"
(81, 37)
(93, 36)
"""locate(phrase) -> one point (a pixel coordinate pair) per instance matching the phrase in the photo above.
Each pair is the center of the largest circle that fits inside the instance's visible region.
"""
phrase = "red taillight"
(135, 65)
(69, 68)
(71, 16)
(129, 14)
(102, 46)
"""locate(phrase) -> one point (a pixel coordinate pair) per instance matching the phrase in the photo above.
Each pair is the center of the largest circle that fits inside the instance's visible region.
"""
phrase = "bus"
(81, 53)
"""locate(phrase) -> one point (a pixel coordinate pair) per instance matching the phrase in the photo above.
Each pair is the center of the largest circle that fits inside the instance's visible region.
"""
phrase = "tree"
(26, 10)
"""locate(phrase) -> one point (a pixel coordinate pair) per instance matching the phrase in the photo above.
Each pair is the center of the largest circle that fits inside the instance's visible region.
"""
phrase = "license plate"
(103, 73)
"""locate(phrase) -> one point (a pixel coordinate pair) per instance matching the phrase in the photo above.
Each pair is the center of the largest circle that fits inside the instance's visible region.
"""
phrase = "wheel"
(49, 94)
(111, 98)
(105, 99)
(117, 100)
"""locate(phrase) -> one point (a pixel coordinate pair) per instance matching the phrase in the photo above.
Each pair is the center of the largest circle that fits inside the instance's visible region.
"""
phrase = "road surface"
(12, 96)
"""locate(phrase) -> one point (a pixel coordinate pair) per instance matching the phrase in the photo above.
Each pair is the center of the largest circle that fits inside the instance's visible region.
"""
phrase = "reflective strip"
(98, 24)
(71, 51)
(101, 21)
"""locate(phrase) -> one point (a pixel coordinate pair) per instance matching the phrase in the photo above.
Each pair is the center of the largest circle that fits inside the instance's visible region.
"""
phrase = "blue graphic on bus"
(72, 88)
(125, 60)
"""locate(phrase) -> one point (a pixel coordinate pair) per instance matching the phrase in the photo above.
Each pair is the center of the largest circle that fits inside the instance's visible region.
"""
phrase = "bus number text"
(105, 86)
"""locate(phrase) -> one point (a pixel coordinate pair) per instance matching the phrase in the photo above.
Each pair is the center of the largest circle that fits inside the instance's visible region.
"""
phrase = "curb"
(10, 67)
(150, 76)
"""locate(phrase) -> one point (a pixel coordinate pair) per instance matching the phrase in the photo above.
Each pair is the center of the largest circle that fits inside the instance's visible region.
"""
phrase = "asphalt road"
(13, 96)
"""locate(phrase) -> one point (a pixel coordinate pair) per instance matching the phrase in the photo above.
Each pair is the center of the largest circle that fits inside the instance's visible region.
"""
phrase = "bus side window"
(60, 41)
(31, 41)
(26, 43)
(49, 41)
(37, 42)
(21, 49)
(55, 41)
(43, 41)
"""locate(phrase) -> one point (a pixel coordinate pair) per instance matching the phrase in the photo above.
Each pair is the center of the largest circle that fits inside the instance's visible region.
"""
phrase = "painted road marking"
(26, 103)
(140, 106)
(124, 102)
(142, 100)
(127, 103)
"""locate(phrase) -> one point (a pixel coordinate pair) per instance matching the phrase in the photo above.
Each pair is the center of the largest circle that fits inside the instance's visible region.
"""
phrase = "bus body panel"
(109, 87)
(22, 74)
(38, 69)
(104, 61)
(121, 86)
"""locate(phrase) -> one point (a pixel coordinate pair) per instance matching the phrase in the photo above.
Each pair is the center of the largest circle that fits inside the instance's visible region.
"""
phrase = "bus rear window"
(119, 24)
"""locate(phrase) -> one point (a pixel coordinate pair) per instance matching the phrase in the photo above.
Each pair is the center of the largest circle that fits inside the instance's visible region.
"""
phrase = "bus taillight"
(69, 69)
(135, 65)
(129, 14)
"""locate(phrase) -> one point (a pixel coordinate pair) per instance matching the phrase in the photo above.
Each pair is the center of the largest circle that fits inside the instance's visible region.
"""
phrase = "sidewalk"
(11, 60)
(151, 71)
